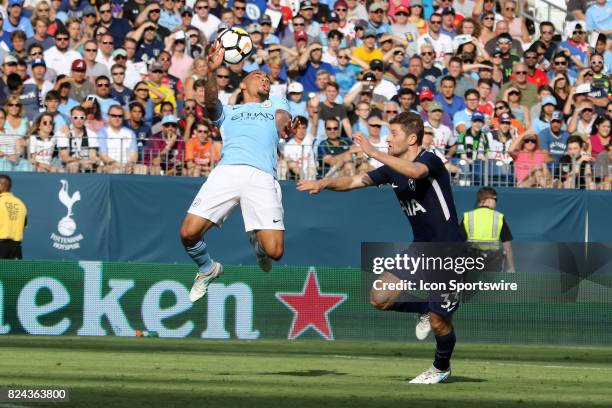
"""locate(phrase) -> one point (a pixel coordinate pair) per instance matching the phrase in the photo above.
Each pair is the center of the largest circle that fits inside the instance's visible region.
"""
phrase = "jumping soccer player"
(246, 174)
(422, 186)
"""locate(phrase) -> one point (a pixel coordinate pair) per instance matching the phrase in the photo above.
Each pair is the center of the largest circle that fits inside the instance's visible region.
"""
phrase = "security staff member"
(13, 214)
(487, 231)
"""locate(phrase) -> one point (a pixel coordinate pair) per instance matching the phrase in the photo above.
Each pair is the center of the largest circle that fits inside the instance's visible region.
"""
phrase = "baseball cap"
(89, 11)
(504, 37)
(375, 7)
(583, 88)
(333, 16)
(478, 117)
(186, 10)
(505, 118)
(266, 19)
(377, 64)
(414, 3)
(79, 65)
(156, 66)
(549, 100)
(434, 106)
(385, 37)
(119, 52)
(497, 51)
(15, 3)
(426, 94)
(38, 63)
(169, 119)
(10, 59)
(306, 5)
(401, 9)
(557, 116)
(254, 28)
(369, 76)
(361, 24)
(369, 33)
(340, 3)
(295, 87)
(301, 35)
(448, 10)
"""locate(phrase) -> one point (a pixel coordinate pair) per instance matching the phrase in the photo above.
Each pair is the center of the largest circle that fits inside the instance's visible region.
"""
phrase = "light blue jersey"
(249, 134)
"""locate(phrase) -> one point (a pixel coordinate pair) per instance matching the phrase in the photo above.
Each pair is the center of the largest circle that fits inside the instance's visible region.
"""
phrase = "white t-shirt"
(208, 27)
(302, 153)
(8, 144)
(442, 45)
(119, 144)
(75, 145)
(42, 150)
(443, 137)
(381, 146)
(61, 62)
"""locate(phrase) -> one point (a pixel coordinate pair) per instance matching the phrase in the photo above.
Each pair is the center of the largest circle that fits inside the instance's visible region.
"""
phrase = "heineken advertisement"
(119, 299)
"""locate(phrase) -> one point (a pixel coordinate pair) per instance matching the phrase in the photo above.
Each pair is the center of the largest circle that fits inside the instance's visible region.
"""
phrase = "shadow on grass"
(306, 373)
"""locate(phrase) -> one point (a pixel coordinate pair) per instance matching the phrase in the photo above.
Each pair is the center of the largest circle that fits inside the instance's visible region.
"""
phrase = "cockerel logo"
(66, 226)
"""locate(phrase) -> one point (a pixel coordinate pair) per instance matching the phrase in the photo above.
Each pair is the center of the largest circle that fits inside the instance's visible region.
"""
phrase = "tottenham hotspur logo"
(66, 226)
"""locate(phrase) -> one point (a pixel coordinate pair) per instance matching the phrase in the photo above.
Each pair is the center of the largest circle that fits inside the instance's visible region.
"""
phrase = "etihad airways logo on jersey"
(253, 116)
(412, 207)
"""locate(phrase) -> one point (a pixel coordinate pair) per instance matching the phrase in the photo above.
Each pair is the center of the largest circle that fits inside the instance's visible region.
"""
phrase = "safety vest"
(12, 217)
(483, 226)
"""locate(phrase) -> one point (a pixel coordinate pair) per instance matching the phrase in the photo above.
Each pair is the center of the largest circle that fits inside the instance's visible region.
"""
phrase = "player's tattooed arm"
(214, 107)
(335, 184)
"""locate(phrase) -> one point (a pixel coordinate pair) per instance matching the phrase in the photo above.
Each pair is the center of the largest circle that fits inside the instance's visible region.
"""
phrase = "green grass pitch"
(150, 372)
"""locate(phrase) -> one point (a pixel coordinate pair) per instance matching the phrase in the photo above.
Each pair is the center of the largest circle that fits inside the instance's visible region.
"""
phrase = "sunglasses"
(118, 73)
(239, 8)
(588, 110)
(223, 76)
(514, 93)
(399, 53)
(157, 71)
(332, 128)
(510, 9)
(530, 57)
(107, 11)
(547, 32)
(202, 131)
(597, 62)
(107, 42)
(78, 118)
(427, 53)
(521, 72)
(560, 62)
(14, 105)
(202, 8)
(34, 54)
(91, 49)
(156, 11)
(437, 22)
(116, 116)
(429, 133)
(341, 9)
(171, 125)
(61, 38)
(343, 57)
(500, 107)
(46, 123)
(530, 140)
(103, 85)
(391, 111)
(489, 18)
(142, 90)
(578, 32)
(377, 126)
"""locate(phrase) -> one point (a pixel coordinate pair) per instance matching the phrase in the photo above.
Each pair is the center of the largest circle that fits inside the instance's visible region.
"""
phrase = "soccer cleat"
(423, 327)
(263, 260)
(431, 376)
(203, 279)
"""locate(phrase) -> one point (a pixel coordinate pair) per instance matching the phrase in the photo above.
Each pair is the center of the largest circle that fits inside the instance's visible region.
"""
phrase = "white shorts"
(257, 192)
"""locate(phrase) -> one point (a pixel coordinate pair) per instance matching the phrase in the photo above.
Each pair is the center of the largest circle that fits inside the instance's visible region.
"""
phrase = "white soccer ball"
(66, 226)
(237, 44)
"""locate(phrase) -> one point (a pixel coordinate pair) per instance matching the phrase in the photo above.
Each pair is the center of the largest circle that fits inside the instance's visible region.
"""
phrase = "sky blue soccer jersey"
(249, 134)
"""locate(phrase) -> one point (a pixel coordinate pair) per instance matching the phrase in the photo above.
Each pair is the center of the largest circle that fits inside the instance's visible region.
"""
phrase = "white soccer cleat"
(263, 260)
(431, 376)
(203, 279)
(423, 327)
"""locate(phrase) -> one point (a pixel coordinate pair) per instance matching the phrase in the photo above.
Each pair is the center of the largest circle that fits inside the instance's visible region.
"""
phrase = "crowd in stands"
(119, 86)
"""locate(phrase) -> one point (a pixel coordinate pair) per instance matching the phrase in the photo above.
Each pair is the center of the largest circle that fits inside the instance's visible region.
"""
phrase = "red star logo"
(311, 308)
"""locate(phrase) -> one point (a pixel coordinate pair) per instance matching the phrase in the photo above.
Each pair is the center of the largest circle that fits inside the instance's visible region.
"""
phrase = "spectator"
(575, 169)
(335, 153)
(118, 91)
(78, 149)
(582, 120)
(60, 57)
(16, 20)
(367, 51)
(473, 143)
(463, 118)
(512, 97)
(310, 64)
(379, 141)
(575, 48)
(600, 137)
(157, 91)
(534, 75)
(298, 153)
(548, 107)
(169, 18)
(451, 103)
(15, 123)
(516, 24)
(441, 43)
(42, 144)
(117, 27)
(530, 161)
(603, 164)
(118, 149)
(331, 109)
(201, 152)
(597, 17)
(165, 150)
(135, 71)
(443, 137)
(204, 21)
(80, 87)
(554, 139)
(11, 149)
(528, 92)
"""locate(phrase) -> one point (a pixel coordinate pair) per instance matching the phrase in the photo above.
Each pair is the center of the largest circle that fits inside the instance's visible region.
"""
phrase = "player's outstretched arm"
(402, 166)
(214, 107)
(335, 184)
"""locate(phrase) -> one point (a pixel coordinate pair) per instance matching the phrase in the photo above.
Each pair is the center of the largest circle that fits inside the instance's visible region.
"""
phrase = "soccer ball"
(237, 44)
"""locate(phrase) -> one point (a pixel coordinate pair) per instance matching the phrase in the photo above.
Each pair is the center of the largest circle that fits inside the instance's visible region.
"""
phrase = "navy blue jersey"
(427, 202)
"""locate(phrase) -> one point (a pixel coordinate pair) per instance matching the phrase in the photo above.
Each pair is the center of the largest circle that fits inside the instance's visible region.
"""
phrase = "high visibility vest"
(483, 226)
(12, 217)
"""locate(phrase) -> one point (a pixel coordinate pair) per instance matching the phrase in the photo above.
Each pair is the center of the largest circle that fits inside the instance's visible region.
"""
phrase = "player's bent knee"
(276, 252)
(188, 235)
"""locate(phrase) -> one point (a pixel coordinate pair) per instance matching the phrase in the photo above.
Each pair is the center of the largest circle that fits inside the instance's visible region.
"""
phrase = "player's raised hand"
(362, 141)
(215, 56)
(310, 186)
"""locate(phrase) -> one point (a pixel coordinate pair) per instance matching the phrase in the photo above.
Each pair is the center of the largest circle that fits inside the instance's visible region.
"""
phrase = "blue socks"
(410, 307)
(444, 350)
(200, 256)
